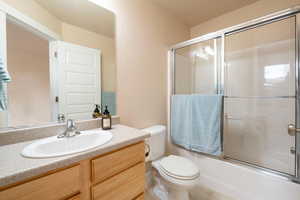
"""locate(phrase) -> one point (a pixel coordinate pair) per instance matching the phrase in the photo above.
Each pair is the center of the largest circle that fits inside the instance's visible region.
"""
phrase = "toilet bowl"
(174, 175)
(177, 174)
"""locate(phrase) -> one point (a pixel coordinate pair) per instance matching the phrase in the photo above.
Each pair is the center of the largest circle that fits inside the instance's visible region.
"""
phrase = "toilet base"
(175, 194)
(170, 194)
(168, 187)
(164, 191)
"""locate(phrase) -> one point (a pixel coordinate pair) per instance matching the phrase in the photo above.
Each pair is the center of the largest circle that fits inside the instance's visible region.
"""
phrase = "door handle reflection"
(292, 130)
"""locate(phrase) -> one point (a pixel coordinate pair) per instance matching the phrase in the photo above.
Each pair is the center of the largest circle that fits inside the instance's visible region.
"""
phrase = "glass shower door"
(196, 68)
(260, 95)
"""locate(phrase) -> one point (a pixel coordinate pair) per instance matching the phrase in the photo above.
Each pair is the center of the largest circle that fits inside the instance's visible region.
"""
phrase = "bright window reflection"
(209, 50)
(276, 73)
(204, 52)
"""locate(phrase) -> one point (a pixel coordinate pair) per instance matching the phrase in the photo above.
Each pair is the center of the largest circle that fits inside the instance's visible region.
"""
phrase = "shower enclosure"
(255, 65)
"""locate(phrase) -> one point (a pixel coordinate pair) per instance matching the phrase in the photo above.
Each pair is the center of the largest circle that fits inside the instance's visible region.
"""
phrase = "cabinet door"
(59, 185)
(124, 186)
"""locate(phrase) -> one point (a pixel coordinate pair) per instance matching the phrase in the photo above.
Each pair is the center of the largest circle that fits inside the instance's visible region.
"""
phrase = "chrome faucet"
(70, 131)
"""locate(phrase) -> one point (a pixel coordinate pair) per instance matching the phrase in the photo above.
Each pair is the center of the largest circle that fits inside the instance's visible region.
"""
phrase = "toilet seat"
(182, 183)
(179, 173)
(179, 167)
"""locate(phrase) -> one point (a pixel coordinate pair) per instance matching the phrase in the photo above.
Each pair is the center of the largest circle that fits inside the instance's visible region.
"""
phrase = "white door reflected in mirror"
(76, 80)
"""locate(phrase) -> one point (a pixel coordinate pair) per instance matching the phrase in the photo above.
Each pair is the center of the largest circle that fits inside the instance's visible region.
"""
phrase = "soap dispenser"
(97, 112)
(106, 119)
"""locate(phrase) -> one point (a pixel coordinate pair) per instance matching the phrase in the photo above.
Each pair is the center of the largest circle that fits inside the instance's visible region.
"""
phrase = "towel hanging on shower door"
(4, 79)
(196, 121)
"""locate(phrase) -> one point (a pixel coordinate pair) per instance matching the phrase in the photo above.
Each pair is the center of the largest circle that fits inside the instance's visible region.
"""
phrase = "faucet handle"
(70, 131)
(70, 123)
(72, 127)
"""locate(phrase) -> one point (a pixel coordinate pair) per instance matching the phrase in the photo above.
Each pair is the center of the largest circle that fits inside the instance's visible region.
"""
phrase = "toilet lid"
(179, 167)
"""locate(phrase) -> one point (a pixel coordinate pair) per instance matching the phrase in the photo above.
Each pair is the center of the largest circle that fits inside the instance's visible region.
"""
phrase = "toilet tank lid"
(155, 129)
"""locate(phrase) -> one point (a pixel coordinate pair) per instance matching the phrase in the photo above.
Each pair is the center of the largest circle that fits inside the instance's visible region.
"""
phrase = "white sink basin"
(54, 147)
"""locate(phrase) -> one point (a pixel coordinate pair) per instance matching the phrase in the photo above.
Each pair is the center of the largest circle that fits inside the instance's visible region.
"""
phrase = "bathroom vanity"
(115, 170)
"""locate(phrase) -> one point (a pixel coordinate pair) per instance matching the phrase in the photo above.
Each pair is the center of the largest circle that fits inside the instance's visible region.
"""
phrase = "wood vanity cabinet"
(141, 197)
(76, 197)
(117, 175)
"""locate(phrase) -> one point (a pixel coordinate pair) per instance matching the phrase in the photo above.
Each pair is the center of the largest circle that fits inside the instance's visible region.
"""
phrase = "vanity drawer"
(124, 186)
(111, 164)
(55, 186)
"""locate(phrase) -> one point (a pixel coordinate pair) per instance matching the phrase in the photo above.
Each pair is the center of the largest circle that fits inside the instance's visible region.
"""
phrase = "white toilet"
(174, 175)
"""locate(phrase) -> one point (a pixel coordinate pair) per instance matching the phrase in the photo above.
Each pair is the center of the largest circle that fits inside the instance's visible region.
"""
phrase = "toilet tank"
(156, 142)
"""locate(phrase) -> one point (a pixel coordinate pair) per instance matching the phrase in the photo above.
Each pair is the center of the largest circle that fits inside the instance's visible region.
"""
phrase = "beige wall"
(77, 35)
(252, 11)
(143, 34)
(28, 65)
(38, 13)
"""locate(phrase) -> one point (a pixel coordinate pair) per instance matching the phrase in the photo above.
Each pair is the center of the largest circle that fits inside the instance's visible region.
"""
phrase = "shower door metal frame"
(294, 11)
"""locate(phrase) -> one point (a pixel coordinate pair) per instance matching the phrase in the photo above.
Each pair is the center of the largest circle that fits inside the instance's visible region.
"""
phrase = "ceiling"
(82, 13)
(194, 12)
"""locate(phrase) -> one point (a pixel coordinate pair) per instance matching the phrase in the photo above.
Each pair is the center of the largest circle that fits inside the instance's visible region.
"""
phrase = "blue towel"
(4, 79)
(195, 122)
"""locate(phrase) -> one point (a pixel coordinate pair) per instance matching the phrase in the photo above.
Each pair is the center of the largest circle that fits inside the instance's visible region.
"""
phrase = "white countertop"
(14, 167)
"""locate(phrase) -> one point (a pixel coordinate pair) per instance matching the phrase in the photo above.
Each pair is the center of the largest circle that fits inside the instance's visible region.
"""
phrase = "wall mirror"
(62, 69)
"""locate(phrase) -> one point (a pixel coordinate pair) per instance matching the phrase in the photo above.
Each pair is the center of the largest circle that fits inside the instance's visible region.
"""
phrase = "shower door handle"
(292, 130)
